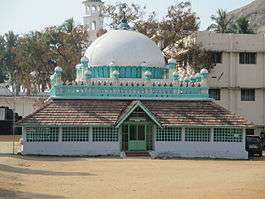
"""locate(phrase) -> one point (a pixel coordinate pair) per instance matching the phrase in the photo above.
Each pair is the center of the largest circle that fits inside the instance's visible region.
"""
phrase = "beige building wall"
(24, 105)
(230, 76)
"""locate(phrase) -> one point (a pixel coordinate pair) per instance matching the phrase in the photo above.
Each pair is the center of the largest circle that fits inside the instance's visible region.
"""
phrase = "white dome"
(124, 48)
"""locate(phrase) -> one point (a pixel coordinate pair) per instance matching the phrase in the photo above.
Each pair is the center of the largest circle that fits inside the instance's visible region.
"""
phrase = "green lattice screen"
(105, 134)
(197, 134)
(75, 134)
(168, 134)
(227, 135)
(42, 134)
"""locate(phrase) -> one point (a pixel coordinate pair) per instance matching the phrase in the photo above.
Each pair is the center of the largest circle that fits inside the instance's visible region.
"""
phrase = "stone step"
(137, 154)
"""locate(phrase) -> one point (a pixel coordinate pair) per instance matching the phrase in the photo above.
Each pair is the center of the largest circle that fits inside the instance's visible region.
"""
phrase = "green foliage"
(242, 26)
(30, 59)
(221, 22)
(8, 44)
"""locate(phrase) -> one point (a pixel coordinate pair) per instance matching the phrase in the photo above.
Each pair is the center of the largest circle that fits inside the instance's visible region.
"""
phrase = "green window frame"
(42, 134)
(197, 134)
(75, 134)
(228, 135)
(104, 134)
(168, 134)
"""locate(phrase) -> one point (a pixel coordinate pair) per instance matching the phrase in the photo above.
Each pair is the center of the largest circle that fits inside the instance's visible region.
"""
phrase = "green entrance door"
(137, 137)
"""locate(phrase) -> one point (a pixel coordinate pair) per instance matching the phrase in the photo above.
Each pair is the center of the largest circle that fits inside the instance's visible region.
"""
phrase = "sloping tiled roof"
(194, 113)
(107, 112)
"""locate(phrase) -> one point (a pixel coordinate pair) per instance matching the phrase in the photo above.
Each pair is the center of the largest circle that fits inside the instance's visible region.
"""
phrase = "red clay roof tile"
(107, 112)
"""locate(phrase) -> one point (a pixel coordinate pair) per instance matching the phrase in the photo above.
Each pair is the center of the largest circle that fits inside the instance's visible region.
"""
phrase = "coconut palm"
(242, 26)
(221, 22)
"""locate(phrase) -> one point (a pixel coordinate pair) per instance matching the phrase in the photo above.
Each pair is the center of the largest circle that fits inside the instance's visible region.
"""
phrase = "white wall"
(71, 148)
(228, 150)
(25, 105)
(201, 149)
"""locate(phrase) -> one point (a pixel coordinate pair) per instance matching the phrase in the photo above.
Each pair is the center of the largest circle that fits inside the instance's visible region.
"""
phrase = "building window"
(247, 94)
(94, 9)
(215, 93)
(105, 134)
(250, 131)
(197, 134)
(42, 134)
(227, 135)
(216, 57)
(247, 58)
(75, 134)
(168, 134)
(93, 25)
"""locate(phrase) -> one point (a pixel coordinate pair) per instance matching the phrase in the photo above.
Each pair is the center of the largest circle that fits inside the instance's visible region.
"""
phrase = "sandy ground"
(9, 138)
(54, 177)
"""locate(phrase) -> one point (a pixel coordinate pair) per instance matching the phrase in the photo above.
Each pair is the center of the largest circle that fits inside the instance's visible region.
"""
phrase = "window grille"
(42, 134)
(105, 134)
(168, 134)
(227, 135)
(215, 93)
(216, 57)
(247, 58)
(75, 134)
(197, 134)
(247, 94)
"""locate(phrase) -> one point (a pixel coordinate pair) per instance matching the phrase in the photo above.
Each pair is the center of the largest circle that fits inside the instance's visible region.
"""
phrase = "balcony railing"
(129, 92)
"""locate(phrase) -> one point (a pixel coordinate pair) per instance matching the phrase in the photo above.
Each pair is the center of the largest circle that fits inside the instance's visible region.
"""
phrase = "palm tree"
(68, 26)
(11, 42)
(221, 22)
(242, 26)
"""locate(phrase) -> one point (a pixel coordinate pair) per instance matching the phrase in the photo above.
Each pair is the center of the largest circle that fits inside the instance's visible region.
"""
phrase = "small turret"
(204, 73)
(56, 77)
(147, 75)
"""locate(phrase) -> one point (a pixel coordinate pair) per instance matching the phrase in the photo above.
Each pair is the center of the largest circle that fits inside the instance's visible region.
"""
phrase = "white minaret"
(93, 18)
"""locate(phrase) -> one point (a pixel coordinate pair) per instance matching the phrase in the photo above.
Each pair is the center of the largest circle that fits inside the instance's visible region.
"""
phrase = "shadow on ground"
(42, 158)
(19, 170)
(25, 195)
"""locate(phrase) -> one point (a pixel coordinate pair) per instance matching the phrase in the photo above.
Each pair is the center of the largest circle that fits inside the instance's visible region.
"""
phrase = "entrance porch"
(137, 137)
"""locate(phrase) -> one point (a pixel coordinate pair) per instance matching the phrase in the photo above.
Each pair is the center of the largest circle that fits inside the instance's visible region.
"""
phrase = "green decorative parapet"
(128, 92)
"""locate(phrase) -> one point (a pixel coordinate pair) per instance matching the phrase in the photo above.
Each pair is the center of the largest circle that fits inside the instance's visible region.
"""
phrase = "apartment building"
(237, 81)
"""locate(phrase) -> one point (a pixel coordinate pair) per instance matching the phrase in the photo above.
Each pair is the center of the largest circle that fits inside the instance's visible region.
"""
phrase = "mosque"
(126, 98)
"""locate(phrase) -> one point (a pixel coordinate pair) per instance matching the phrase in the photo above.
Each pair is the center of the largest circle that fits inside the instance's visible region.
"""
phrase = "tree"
(132, 12)
(242, 26)
(3, 72)
(32, 57)
(221, 22)
(68, 26)
(39, 52)
(179, 23)
(66, 44)
(11, 41)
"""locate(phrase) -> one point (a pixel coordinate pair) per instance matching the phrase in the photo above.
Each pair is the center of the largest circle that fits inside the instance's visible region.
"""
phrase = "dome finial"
(124, 22)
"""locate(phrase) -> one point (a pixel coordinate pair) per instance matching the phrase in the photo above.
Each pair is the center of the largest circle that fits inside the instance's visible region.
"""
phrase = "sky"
(22, 16)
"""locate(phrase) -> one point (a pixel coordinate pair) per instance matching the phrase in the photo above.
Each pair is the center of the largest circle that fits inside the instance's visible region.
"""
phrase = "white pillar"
(212, 135)
(154, 137)
(183, 134)
(60, 134)
(90, 134)
(120, 137)
(244, 136)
